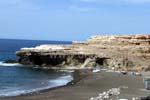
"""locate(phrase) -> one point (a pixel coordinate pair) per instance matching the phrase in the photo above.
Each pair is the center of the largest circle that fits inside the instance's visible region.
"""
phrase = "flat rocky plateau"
(120, 52)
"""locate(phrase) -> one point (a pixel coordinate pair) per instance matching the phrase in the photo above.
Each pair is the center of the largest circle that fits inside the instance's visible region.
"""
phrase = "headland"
(119, 52)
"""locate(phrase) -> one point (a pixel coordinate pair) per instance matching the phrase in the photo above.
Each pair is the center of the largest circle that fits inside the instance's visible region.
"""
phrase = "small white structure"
(147, 83)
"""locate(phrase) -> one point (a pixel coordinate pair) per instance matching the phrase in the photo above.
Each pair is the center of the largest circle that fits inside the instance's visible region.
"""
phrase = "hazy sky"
(72, 19)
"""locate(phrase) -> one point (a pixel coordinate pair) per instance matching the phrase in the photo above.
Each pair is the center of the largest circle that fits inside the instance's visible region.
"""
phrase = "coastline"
(77, 75)
(90, 86)
(118, 53)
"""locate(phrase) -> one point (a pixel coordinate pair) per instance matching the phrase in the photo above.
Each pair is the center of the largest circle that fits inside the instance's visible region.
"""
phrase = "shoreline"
(126, 52)
(71, 83)
(88, 87)
(36, 92)
(117, 52)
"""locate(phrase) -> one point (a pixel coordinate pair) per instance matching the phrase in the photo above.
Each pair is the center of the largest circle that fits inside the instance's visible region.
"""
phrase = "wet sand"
(91, 86)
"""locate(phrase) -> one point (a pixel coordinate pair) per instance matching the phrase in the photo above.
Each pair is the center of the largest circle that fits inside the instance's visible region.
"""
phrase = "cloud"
(116, 1)
(10, 6)
(90, 0)
(12, 2)
(9, 1)
(97, 5)
(136, 1)
(82, 9)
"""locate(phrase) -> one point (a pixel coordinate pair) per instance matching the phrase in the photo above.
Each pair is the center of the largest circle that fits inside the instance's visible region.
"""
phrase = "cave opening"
(101, 61)
(36, 60)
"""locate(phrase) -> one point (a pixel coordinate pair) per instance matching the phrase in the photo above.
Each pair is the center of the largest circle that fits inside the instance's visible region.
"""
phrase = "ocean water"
(16, 79)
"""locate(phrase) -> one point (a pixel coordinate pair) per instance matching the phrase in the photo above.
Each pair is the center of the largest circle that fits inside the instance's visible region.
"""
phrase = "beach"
(91, 86)
(122, 53)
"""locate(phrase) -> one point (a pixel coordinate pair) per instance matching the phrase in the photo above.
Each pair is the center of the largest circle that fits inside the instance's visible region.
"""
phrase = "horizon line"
(34, 39)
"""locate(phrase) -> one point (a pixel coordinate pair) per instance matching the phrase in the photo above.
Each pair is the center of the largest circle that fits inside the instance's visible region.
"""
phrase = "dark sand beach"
(91, 86)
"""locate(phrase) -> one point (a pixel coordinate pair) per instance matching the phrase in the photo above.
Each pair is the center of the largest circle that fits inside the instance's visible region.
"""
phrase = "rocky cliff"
(128, 52)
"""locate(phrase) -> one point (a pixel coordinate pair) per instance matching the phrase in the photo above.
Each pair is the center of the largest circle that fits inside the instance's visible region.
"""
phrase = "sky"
(72, 19)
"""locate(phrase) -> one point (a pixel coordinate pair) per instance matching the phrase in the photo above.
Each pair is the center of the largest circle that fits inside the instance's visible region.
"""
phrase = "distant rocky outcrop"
(128, 52)
(11, 61)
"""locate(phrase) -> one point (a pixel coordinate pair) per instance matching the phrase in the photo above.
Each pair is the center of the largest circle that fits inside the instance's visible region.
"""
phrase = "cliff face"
(117, 51)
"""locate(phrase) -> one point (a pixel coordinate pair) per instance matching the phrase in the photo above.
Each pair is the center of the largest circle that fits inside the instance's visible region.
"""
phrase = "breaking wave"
(61, 81)
(9, 64)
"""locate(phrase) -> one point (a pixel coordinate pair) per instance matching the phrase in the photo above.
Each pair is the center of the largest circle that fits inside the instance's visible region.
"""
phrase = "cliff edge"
(128, 52)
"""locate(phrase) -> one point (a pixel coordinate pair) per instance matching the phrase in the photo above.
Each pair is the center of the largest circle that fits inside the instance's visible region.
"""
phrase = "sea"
(17, 79)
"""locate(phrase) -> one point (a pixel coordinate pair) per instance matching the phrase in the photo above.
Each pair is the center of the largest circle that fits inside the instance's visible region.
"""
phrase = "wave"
(96, 70)
(61, 81)
(9, 64)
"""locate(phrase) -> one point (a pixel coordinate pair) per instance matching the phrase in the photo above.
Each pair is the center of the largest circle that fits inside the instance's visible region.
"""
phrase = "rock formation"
(127, 52)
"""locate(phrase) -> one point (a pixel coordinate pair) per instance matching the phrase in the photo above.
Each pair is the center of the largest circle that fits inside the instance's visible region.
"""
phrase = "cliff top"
(111, 37)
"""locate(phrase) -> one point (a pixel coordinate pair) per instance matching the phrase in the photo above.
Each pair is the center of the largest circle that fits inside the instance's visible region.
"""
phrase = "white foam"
(7, 64)
(61, 81)
(96, 70)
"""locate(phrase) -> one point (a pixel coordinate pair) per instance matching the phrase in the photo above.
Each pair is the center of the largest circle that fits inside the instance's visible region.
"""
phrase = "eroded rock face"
(129, 37)
(119, 51)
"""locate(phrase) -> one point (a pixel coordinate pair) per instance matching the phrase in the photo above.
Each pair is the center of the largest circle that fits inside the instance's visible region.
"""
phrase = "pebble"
(107, 94)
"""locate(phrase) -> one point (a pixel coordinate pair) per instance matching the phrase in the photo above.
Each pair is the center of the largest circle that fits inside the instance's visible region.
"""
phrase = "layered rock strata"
(127, 52)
